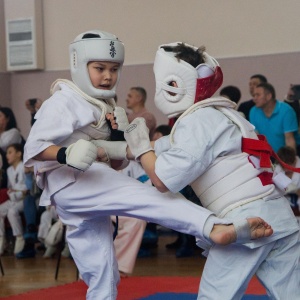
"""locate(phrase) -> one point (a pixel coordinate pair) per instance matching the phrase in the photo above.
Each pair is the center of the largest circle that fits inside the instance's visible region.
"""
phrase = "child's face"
(103, 74)
(12, 155)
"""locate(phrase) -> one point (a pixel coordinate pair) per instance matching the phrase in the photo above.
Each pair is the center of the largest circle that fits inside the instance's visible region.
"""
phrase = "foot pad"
(243, 231)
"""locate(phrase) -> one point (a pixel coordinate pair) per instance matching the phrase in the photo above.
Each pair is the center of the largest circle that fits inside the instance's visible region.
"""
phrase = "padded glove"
(137, 137)
(121, 118)
(114, 150)
(79, 155)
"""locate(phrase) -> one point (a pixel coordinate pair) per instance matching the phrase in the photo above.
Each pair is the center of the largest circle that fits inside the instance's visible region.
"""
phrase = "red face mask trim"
(206, 87)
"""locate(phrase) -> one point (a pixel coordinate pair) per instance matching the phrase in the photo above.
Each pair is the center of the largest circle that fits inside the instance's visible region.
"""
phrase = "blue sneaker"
(26, 253)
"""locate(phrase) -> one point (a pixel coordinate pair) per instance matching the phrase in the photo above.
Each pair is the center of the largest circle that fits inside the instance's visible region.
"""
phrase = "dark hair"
(262, 78)
(287, 154)
(163, 129)
(232, 92)
(91, 36)
(269, 88)
(192, 56)
(17, 147)
(12, 123)
(141, 91)
(296, 89)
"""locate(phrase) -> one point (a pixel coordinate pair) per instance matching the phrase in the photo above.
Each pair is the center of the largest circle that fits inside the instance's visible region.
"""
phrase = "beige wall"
(247, 37)
(229, 28)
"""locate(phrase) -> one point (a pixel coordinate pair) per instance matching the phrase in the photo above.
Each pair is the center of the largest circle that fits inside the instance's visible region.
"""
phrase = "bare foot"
(226, 234)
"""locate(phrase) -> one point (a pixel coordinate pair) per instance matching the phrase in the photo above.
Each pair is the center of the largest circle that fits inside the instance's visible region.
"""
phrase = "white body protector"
(99, 131)
(92, 132)
(232, 180)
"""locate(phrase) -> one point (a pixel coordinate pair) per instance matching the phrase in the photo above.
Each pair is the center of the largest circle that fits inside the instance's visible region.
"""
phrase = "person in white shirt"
(16, 192)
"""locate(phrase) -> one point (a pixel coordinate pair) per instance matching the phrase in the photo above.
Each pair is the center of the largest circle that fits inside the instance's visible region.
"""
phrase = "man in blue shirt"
(272, 118)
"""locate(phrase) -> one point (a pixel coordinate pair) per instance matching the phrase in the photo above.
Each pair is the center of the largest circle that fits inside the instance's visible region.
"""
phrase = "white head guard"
(89, 46)
(193, 84)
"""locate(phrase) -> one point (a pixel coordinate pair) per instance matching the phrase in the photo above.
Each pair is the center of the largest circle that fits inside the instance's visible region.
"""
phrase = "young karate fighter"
(217, 151)
(86, 192)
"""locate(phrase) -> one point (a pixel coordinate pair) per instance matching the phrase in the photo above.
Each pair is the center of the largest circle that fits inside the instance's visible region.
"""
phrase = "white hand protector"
(114, 150)
(81, 155)
(121, 118)
(137, 137)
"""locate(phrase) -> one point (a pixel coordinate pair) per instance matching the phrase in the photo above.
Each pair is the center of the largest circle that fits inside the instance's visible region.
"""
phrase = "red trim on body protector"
(264, 151)
(266, 178)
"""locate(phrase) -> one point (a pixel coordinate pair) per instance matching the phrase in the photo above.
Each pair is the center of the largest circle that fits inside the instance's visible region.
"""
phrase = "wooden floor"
(35, 273)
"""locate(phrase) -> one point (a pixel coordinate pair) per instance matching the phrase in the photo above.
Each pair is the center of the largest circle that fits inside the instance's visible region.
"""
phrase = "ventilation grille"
(20, 45)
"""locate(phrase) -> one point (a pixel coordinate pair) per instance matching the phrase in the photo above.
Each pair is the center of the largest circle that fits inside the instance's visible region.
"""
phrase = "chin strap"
(262, 149)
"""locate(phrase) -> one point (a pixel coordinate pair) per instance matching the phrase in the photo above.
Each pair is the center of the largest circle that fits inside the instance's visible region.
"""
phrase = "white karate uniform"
(14, 205)
(199, 139)
(85, 200)
(47, 217)
(130, 230)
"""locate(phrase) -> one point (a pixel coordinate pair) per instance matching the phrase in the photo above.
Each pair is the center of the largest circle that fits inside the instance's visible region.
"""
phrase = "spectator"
(16, 191)
(245, 107)
(293, 99)
(30, 205)
(135, 101)
(288, 155)
(231, 92)
(272, 118)
(50, 231)
(160, 131)
(9, 133)
(33, 106)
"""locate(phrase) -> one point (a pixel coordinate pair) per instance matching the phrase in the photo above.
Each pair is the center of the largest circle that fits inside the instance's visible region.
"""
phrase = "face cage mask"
(193, 84)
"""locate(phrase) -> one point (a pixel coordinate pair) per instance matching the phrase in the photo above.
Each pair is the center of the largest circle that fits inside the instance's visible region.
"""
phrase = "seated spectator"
(30, 214)
(9, 133)
(136, 100)
(50, 231)
(16, 192)
(30, 201)
(231, 92)
(288, 155)
(272, 118)
(160, 131)
(293, 99)
(246, 106)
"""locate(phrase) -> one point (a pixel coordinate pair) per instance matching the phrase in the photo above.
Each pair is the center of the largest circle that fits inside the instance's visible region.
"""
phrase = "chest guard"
(231, 180)
(98, 131)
